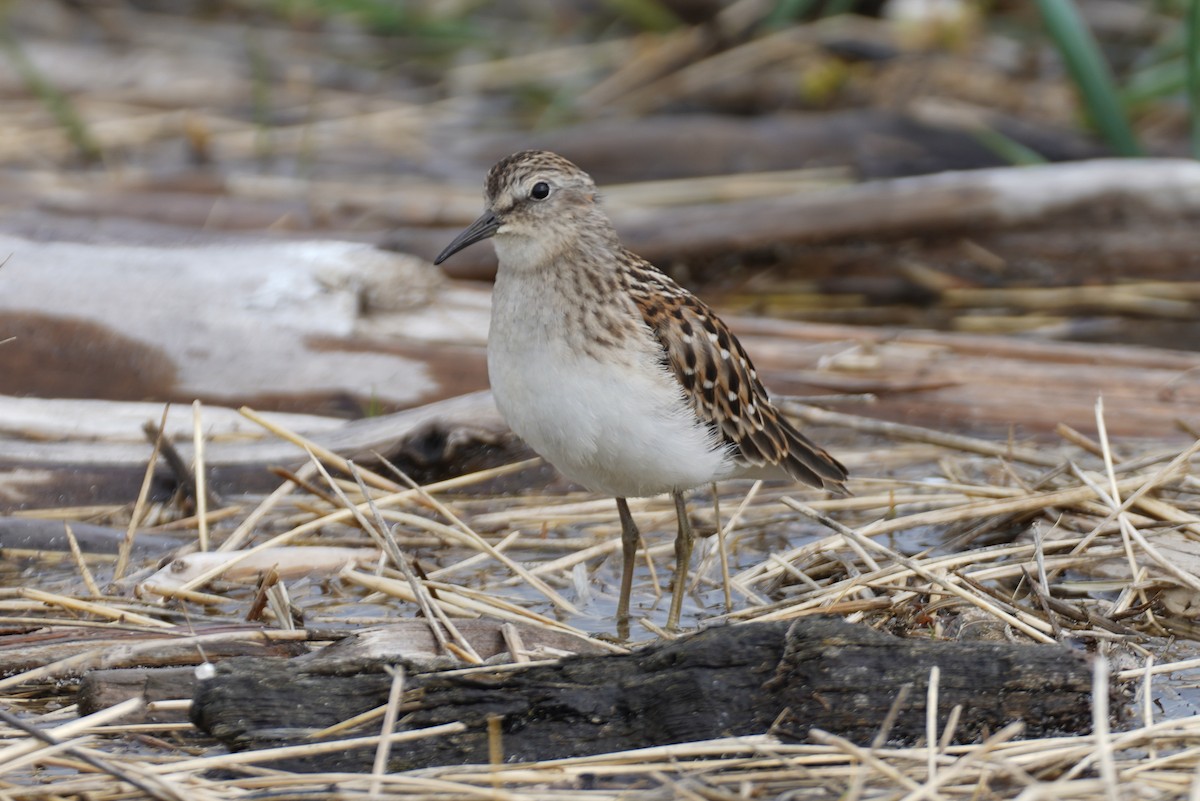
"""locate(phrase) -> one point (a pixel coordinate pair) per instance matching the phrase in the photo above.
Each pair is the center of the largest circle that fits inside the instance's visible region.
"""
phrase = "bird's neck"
(577, 297)
(582, 271)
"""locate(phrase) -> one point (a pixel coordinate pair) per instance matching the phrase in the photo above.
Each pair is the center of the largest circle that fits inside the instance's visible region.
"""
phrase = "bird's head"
(536, 204)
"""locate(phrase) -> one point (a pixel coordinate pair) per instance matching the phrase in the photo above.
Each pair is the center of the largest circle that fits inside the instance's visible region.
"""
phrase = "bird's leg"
(683, 556)
(629, 546)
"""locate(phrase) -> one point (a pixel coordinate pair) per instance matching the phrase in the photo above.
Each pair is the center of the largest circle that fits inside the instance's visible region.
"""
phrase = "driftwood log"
(37, 535)
(1052, 200)
(959, 241)
(968, 384)
(785, 677)
(408, 639)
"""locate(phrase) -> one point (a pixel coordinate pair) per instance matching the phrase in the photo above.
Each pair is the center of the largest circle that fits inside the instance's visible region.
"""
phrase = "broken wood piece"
(785, 678)
(101, 689)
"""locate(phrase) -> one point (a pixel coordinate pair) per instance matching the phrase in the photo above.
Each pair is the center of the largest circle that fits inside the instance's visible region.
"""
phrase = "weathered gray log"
(783, 677)
(409, 639)
(41, 534)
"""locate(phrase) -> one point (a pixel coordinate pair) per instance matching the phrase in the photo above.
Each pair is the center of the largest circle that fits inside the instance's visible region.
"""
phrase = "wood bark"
(785, 677)
(408, 639)
(101, 689)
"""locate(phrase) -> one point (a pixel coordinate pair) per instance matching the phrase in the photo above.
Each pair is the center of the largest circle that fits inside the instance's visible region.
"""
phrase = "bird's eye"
(540, 191)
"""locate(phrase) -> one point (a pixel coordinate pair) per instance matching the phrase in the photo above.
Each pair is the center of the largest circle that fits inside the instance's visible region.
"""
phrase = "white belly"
(620, 427)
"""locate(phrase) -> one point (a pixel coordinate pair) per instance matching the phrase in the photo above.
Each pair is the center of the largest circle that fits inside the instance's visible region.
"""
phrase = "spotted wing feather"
(719, 379)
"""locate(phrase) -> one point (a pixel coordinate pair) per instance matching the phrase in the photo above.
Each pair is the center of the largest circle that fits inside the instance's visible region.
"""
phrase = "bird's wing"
(720, 381)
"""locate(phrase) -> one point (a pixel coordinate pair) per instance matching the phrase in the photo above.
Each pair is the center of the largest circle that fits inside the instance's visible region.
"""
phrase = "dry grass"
(1096, 550)
(946, 536)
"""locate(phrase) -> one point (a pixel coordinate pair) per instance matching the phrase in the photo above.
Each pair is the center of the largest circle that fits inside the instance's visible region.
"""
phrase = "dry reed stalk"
(561, 62)
(17, 755)
(395, 693)
(226, 761)
(947, 562)
(535, 511)
(657, 62)
(75, 623)
(474, 562)
(793, 44)
(105, 655)
(609, 546)
(191, 596)
(955, 442)
(641, 67)
(763, 762)
(139, 506)
(1118, 512)
(470, 533)
(724, 188)
(437, 618)
(403, 590)
(244, 529)
(345, 515)
(1139, 299)
(489, 605)
(381, 533)
(1030, 503)
(80, 513)
(475, 541)
(349, 723)
(310, 447)
(84, 573)
(88, 607)
(199, 471)
(900, 571)
(1027, 626)
(192, 521)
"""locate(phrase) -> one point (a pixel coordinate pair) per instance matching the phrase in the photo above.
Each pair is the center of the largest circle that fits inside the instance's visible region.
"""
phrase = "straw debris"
(1086, 542)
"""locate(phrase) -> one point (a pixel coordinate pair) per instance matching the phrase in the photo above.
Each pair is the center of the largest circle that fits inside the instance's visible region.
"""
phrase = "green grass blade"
(1154, 83)
(649, 15)
(1007, 148)
(1192, 54)
(1091, 74)
(786, 11)
(59, 105)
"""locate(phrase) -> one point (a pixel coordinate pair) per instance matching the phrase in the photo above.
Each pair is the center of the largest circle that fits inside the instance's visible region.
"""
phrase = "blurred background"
(781, 157)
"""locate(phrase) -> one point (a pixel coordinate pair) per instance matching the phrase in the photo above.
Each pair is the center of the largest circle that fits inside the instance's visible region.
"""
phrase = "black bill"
(479, 230)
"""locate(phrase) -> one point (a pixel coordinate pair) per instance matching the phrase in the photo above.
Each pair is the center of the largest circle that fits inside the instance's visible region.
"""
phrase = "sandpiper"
(622, 379)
